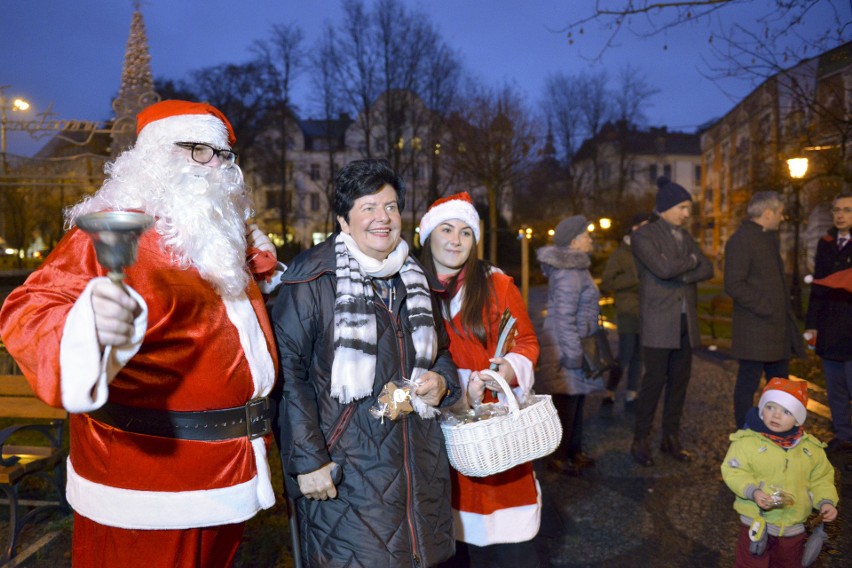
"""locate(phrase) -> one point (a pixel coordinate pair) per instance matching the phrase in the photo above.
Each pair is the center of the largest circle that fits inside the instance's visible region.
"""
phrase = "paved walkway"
(620, 514)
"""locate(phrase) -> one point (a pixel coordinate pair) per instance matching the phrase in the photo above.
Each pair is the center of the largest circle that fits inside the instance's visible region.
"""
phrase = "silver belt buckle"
(260, 408)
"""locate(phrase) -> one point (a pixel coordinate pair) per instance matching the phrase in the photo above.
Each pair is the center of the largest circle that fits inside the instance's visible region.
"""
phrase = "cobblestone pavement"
(619, 514)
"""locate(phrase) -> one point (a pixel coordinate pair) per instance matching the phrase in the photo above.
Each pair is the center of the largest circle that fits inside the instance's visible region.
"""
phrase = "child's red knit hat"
(792, 395)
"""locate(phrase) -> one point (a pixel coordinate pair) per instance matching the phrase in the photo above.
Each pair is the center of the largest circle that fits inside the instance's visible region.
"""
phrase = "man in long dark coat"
(765, 334)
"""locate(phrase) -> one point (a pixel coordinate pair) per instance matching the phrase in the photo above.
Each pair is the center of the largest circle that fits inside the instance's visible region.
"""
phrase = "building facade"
(619, 167)
(803, 111)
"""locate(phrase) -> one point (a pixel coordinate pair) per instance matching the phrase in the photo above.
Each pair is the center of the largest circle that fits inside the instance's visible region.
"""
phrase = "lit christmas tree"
(137, 86)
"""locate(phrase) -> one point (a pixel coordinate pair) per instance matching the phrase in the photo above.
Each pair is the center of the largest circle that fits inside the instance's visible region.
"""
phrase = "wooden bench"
(21, 463)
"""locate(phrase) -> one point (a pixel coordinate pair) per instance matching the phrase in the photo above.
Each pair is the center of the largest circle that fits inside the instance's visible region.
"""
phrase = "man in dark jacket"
(670, 264)
(621, 278)
(829, 320)
(765, 333)
(354, 321)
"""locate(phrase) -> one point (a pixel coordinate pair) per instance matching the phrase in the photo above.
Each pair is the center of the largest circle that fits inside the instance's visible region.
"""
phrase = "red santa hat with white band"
(792, 395)
(167, 122)
(457, 206)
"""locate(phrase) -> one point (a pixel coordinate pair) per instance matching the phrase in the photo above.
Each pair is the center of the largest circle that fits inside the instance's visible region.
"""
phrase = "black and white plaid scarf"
(354, 367)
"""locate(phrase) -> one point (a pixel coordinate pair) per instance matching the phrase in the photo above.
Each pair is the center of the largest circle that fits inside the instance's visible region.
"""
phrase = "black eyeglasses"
(203, 153)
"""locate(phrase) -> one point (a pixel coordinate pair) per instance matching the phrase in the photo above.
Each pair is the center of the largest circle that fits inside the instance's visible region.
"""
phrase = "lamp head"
(798, 167)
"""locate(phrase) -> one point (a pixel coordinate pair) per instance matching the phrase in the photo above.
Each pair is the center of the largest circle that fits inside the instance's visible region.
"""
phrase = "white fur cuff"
(84, 372)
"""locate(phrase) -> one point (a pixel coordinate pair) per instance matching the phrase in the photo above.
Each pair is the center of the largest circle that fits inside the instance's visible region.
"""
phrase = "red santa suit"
(506, 507)
(192, 350)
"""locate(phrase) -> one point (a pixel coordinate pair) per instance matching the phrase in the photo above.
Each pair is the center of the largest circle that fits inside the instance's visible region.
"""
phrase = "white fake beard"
(201, 214)
(203, 225)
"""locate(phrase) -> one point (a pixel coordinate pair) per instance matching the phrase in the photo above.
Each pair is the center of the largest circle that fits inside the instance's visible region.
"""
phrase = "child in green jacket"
(778, 474)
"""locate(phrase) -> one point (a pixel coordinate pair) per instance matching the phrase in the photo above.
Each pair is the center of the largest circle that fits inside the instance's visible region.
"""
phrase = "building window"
(697, 174)
(604, 172)
(652, 173)
(315, 172)
(667, 171)
(315, 202)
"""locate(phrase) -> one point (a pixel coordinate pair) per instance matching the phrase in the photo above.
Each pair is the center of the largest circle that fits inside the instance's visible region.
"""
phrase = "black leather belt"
(252, 420)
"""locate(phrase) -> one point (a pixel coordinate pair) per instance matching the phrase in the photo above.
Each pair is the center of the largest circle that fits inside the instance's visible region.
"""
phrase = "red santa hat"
(457, 206)
(167, 122)
(792, 395)
(842, 279)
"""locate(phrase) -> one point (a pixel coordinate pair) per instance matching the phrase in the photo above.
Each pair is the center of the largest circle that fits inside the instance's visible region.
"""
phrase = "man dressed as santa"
(166, 378)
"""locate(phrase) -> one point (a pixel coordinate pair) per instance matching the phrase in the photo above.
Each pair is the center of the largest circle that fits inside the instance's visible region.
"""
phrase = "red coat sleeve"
(33, 316)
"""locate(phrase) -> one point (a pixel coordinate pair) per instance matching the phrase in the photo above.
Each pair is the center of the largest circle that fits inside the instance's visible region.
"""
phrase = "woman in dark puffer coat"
(370, 491)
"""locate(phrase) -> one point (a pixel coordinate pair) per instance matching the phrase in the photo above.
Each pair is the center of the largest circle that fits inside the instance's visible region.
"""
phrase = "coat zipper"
(409, 514)
(341, 425)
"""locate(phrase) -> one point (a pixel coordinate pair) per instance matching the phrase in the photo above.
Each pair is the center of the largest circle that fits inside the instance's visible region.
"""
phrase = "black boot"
(671, 445)
(641, 452)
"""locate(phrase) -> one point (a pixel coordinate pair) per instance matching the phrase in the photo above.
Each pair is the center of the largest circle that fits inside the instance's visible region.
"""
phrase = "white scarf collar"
(373, 267)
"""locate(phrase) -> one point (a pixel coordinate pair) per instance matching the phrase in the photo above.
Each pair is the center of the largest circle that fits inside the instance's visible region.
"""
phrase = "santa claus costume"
(146, 492)
(502, 509)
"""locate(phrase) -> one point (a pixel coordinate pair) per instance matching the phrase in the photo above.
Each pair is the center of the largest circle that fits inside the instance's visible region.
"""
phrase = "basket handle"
(510, 394)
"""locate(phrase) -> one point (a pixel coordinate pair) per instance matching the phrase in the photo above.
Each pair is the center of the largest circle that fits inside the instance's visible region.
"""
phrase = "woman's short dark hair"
(364, 177)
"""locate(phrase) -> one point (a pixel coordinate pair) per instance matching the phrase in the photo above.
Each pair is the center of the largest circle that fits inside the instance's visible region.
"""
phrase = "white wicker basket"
(484, 448)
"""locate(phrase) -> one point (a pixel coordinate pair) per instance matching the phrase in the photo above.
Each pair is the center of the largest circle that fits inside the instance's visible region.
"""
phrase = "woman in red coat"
(496, 517)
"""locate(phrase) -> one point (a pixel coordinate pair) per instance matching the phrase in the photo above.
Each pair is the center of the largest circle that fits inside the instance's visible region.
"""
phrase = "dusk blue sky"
(70, 52)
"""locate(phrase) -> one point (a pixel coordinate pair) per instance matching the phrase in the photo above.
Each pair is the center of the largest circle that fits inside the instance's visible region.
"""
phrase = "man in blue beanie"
(670, 264)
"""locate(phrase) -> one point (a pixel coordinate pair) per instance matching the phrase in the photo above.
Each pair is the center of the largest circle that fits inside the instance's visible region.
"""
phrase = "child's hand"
(829, 512)
(763, 500)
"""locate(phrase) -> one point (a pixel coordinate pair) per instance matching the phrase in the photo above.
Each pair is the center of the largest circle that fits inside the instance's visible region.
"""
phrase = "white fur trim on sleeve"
(84, 373)
(275, 280)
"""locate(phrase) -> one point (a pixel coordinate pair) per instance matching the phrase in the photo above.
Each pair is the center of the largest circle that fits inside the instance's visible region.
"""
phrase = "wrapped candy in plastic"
(476, 413)
(778, 497)
(393, 401)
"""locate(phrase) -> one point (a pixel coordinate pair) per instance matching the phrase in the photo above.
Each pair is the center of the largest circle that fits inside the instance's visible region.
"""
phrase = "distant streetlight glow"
(6, 105)
(798, 167)
(591, 227)
(605, 223)
(550, 232)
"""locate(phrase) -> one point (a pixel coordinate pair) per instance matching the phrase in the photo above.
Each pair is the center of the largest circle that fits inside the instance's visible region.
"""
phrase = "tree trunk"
(492, 225)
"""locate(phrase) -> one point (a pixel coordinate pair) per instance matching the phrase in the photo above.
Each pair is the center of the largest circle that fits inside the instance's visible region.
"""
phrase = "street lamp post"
(6, 105)
(798, 168)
